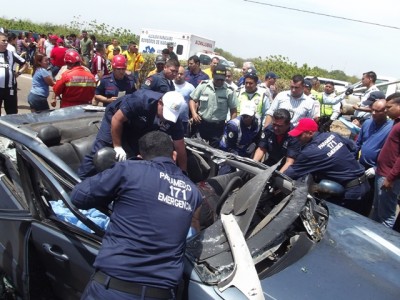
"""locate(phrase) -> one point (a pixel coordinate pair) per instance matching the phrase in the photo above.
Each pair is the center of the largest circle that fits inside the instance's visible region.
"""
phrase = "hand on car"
(120, 153)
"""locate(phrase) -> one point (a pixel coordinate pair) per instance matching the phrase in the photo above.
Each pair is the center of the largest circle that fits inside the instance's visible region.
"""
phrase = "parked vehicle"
(340, 85)
(264, 236)
(185, 44)
(206, 57)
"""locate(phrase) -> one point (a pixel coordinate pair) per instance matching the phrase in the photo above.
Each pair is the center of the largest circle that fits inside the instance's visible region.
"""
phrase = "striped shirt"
(299, 108)
(7, 61)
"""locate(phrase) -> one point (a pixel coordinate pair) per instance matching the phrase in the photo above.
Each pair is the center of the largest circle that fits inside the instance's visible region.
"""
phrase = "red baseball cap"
(304, 125)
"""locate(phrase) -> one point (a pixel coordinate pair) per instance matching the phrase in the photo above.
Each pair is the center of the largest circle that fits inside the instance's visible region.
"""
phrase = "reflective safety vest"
(259, 100)
(326, 109)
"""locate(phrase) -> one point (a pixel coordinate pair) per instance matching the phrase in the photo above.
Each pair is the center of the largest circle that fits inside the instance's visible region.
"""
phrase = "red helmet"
(118, 61)
(72, 56)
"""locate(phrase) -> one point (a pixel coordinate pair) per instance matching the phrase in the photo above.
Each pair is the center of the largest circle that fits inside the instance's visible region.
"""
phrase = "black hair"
(99, 46)
(155, 144)
(172, 62)
(195, 58)
(371, 75)
(395, 98)
(298, 78)
(329, 82)
(282, 114)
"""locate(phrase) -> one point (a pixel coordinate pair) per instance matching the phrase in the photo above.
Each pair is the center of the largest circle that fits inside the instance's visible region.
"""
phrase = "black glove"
(349, 91)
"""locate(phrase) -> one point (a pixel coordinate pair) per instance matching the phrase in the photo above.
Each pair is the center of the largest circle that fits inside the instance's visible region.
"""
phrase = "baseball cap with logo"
(219, 72)
(308, 84)
(248, 108)
(304, 125)
(173, 103)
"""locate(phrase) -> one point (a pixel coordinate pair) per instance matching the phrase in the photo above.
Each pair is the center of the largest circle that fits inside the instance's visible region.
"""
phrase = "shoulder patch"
(263, 135)
(148, 81)
(230, 134)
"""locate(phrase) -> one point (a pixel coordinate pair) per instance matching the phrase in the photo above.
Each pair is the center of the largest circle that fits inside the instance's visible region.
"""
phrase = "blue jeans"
(38, 103)
(385, 202)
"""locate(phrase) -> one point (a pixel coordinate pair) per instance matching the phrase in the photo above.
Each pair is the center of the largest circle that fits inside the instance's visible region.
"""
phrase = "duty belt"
(356, 181)
(132, 287)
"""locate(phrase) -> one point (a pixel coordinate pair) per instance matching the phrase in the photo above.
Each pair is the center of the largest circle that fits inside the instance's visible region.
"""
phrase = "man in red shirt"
(387, 179)
(57, 56)
(99, 66)
(77, 85)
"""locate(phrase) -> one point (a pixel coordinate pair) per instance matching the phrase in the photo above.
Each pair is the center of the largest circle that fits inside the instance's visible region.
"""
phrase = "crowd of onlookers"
(248, 117)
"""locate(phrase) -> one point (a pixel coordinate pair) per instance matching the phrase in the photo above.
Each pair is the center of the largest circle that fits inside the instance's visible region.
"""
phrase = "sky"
(248, 29)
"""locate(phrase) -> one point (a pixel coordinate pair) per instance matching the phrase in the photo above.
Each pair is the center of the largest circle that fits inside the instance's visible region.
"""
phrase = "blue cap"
(271, 75)
(308, 83)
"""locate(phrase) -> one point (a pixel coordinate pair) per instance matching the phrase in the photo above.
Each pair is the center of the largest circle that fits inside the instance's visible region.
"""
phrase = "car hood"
(337, 269)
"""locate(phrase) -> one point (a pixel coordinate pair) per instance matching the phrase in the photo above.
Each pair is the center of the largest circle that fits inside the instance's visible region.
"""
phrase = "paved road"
(24, 86)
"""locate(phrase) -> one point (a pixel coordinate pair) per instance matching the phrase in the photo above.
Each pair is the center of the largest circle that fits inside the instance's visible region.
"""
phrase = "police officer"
(113, 85)
(250, 92)
(162, 82)
(329, 156)
(142, 252)
(130, 117)
(209, 106)
(276, 143)
(328, 112)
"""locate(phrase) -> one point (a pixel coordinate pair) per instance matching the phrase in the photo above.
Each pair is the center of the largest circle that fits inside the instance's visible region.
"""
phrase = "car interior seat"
(51, 137)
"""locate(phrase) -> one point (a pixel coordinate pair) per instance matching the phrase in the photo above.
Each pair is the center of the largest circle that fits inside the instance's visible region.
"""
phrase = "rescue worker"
(275, 142)
(142, 251)
(162, 82)
(251, 92)
(240, 134)
(76, 85)
(209, 106)
(328, 155)
(130, 117)
(116, 84)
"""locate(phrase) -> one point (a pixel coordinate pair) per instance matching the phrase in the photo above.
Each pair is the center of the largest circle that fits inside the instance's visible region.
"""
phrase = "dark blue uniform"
(195, 79)
(158, 83)
(140, 108)
(145, 240)
(237, 136)
(330, 156)
(110, 87)
(278, 147)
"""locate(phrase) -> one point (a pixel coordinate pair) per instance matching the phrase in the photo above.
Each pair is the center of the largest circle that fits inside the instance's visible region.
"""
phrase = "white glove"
(120, 153)
(370, 172)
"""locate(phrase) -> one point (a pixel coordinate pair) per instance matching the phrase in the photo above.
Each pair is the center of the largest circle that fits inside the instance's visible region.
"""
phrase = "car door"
(65, 251)
(15, 220)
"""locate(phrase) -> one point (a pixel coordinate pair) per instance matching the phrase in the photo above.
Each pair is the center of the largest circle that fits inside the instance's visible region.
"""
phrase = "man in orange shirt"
(77, 85)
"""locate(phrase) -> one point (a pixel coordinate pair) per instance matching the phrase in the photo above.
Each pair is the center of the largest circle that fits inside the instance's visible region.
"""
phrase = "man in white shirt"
(295, 101)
